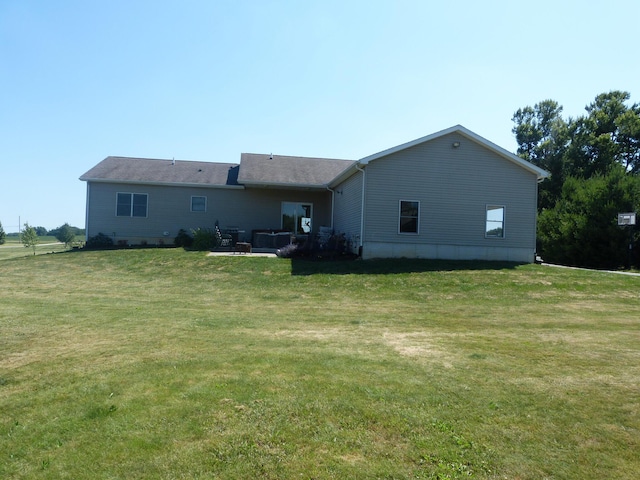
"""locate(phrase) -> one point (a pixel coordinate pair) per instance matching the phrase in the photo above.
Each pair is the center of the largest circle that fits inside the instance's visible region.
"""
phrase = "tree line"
(594, 166)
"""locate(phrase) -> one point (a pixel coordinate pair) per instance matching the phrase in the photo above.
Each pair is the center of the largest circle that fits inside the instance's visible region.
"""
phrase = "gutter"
(162, 184)
(289, 186)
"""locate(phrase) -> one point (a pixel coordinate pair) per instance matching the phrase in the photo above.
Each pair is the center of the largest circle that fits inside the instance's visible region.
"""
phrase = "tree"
(3, 235)
(29, 237)
(543, 138)
(76, 231)
(609, 135)
(66, 234)
(589, 145)
(582, 228)
(41, 231)
(594, 162)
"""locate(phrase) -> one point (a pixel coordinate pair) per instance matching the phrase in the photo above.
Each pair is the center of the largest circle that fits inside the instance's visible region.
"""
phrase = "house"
(449, 195)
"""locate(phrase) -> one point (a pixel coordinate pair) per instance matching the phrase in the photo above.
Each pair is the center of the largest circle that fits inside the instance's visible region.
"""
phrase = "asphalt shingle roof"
(279, 170)
(146, 170)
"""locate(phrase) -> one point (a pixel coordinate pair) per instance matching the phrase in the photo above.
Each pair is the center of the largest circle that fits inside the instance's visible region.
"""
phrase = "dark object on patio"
(243, 247)
(271, 238)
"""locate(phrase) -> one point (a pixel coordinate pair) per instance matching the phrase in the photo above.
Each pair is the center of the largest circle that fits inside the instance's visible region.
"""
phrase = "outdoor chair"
(224, 239)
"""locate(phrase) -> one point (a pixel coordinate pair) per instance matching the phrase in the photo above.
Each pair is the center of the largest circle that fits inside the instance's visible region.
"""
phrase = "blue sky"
(209, 79)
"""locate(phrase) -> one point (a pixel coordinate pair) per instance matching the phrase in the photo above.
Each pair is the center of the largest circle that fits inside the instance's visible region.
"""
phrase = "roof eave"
(298, 186)
(162, 184)
(346, 173)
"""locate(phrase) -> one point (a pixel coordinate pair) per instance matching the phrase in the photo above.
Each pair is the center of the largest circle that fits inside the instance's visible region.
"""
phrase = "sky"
(207, 80)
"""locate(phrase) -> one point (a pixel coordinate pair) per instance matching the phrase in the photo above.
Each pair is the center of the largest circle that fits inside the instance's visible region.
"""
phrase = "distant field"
(13, 247)
(165, 364)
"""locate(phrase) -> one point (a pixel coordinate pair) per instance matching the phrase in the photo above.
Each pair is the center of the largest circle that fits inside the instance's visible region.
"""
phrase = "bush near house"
(204, 239)
(329, 248)
(99, 241)
(183, 239)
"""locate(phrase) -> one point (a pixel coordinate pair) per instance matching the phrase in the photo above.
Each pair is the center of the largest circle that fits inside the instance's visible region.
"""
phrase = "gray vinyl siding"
(453, 186)
(348, 208)
(169, 210)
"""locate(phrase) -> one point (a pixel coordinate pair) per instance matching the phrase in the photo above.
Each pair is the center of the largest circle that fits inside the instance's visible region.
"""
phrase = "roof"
(261, 170)
(539, 172)
(163, 172)
(283, 171)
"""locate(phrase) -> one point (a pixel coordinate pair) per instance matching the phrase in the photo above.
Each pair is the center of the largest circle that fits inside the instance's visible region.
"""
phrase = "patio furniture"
(243, 247)
(224, 239)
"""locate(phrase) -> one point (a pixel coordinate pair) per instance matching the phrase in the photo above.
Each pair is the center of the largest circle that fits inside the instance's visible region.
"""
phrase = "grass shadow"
(302, 266)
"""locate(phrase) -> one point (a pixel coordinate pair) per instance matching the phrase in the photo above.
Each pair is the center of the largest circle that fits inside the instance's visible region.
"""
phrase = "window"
(198, 204)
(495, 222)
(409, 216)
(296, 217)
(132, 204)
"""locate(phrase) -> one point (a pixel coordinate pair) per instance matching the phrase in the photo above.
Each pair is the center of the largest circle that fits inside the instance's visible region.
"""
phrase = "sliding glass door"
(296, 217)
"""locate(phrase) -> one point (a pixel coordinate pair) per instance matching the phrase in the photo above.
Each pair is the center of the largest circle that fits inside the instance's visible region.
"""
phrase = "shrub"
(99, 241)
(329, 248)
(183, 239)
(288, 251)
(205, 239)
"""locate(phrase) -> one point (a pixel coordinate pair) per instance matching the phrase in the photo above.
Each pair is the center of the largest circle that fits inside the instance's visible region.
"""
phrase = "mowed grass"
(167, 364)
(13, 247)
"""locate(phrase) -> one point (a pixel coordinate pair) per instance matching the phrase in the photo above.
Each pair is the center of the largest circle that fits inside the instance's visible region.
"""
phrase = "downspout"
(535, 230)
(333, 199)
(86, 214)
(364, 179)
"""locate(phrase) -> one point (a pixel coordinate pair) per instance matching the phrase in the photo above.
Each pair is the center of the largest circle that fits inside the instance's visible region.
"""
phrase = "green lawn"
(166, 364)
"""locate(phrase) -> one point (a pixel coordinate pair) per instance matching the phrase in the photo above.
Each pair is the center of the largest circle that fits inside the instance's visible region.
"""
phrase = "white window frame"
(495, 206)
(131, 210)
(400, 217)
(205, 204)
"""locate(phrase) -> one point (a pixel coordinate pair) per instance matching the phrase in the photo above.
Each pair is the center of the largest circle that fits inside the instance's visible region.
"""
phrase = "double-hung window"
(132, 204)
(198, 204)
(495, 221)
(409, 216)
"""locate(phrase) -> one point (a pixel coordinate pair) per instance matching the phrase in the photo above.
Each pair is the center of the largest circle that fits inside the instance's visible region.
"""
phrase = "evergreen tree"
(582, 229)
(594, 162)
